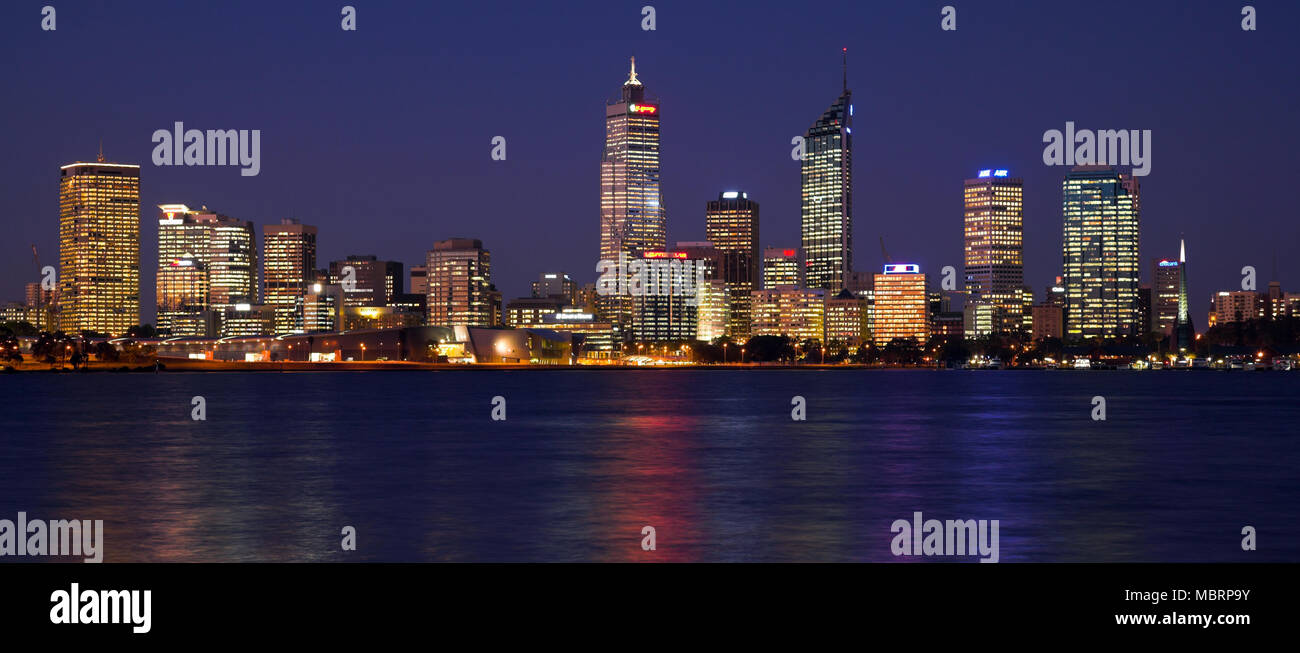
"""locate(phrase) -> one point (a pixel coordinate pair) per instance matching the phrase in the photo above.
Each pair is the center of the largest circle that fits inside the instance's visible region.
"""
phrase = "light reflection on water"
(710, 458)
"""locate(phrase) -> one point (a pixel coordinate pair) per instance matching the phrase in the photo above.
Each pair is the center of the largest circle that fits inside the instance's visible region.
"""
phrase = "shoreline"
(194, 365)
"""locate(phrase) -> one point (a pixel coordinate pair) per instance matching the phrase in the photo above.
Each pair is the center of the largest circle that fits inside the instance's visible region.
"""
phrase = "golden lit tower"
(902, 308)
(99, 247)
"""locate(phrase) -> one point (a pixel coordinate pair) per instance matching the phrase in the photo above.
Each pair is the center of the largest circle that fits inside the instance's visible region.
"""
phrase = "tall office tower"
(1184, 332)
(1164, 296)
(288, 269)
(731, 224)
(782, 268)
(556, 284)
(99, 247)
(232, 261)
(182, 279)
(902, 307)
(1101, 210)
(632, 217)
(994, 246)
(419, 280)
(206, 263)
(460, 284)
(826, 206)
(365, 280)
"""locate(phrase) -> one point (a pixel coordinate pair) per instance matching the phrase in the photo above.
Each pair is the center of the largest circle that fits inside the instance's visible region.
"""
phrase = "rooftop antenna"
(845, 53)
(101, 151)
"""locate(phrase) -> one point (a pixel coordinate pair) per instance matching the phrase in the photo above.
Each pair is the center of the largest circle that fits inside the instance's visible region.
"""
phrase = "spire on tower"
(101, 151)
(631, 78)
(845, 53)
(1182, 251)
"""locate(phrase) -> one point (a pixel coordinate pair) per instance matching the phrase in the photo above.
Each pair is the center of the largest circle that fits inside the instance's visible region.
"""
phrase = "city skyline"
(924, 234)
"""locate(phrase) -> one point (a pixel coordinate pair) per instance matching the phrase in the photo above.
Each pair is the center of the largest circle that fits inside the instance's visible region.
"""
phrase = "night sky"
(382, 137)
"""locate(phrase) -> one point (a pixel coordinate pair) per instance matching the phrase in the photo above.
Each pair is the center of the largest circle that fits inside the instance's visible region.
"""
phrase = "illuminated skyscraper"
(827, 196)
(1101, 209)
(288, 269)
(994, 246)
(99, 247)
(460, 285)
(902, 308)
(232, 262)
(731, 224)
(632, 217)
(182, 280)
(206, 263)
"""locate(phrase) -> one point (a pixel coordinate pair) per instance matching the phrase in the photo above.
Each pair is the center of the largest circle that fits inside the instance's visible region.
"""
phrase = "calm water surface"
(710, 458)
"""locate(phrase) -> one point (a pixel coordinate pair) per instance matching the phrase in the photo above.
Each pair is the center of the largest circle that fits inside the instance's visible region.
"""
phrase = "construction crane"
(885, 252)
(40, 287)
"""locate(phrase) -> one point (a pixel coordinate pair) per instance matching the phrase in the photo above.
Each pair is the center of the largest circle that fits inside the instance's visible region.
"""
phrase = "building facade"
(782, 268)
(731, 224)
(902, 308)
(1101, 209)
(288, 270)
(826, 190)
(799, 313)
(366, 280)
(993, 248)
(632, 216)
(460, 285)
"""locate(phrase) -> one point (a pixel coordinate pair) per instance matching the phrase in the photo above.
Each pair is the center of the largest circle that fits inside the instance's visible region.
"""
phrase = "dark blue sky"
(381, 137)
